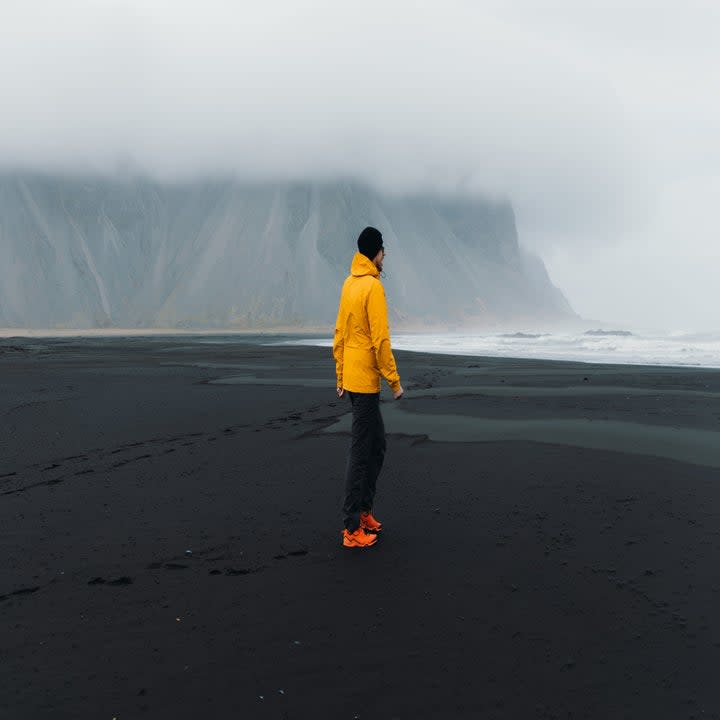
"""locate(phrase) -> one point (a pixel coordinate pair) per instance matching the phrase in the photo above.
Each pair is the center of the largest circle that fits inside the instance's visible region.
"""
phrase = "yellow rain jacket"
(362, 349)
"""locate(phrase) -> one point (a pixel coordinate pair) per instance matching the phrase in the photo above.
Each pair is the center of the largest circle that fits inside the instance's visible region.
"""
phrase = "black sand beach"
(170, 538)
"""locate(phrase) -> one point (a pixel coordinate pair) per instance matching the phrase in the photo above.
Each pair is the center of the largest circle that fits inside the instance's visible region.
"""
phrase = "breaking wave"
(694, 350)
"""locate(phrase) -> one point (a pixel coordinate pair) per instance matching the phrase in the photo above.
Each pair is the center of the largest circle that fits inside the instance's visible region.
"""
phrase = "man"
(362, 356)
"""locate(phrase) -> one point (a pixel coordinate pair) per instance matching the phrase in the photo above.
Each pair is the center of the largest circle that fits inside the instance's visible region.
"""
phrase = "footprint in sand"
(21, 591)
(117, 582)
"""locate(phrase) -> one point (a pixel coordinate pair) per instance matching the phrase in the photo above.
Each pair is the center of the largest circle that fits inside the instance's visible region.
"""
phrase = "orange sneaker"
(359, 539)
(368, 522)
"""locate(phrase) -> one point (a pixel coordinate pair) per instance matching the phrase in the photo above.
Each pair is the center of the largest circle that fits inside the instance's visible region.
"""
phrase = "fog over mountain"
(88, 251)
(596, 119)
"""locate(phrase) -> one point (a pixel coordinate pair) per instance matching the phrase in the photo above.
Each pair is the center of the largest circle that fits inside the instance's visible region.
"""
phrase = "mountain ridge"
(103, 252)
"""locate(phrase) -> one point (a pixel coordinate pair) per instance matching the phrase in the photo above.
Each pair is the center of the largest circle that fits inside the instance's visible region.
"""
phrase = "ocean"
(594, 346)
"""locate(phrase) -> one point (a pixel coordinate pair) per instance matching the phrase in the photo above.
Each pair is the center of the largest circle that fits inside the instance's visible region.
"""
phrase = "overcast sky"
(599, 120)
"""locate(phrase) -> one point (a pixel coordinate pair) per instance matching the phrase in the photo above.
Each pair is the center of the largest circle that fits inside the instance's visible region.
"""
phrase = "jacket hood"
(362, 265)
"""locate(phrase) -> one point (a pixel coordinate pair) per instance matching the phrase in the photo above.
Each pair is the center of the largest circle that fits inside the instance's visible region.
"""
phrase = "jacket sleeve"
(380, 335)
(339, 348)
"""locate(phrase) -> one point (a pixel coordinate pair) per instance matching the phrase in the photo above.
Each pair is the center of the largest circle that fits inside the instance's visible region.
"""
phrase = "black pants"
(367, 452)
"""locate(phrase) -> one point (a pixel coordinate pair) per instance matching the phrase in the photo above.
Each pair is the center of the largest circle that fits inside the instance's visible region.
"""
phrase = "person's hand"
(340, 392)
(398, 393)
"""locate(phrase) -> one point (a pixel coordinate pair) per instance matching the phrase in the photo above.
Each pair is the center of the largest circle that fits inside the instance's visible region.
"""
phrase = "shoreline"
(669, 352)
(6, 333)
(301, 337)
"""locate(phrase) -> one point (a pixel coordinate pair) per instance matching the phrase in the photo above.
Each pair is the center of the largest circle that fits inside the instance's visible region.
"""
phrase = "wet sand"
(170, 524)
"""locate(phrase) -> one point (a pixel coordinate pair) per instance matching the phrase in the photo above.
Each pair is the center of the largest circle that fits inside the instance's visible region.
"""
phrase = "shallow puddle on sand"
(570, 390)
(698, 447)
(294, 382)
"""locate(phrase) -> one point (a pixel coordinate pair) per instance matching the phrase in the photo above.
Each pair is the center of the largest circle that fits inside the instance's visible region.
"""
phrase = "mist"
(598, 121)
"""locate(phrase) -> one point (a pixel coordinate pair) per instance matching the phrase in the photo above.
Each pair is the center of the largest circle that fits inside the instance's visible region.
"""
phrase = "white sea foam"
(677, 349)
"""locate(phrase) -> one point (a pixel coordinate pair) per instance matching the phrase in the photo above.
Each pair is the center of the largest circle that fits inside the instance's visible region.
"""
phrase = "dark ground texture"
(515, 578)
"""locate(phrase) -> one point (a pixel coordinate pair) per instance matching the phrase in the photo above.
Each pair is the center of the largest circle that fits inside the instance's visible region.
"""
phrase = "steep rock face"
(98, 252)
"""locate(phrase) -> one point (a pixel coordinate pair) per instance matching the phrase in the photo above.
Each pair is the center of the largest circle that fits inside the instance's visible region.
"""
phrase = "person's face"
(378, 259)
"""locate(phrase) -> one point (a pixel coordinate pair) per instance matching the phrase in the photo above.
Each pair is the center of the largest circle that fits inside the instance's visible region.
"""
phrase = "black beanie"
(370, 242)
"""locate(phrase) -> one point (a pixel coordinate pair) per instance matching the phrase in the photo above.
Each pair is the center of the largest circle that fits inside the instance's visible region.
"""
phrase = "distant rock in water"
(520, 335)
(81, 252)
(620, 333)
